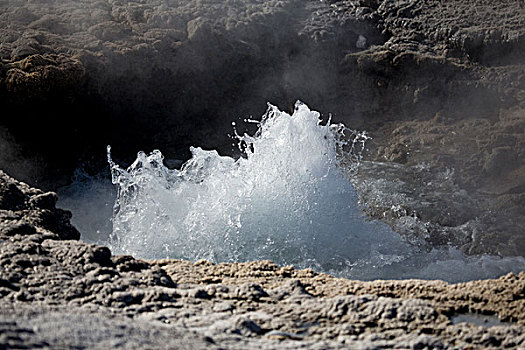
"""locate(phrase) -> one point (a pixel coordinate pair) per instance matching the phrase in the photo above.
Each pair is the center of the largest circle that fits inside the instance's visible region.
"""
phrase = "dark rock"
(31, 208)
(46, 200)
(10, 195)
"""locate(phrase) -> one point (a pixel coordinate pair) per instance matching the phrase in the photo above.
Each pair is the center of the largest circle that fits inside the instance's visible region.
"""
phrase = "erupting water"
(289, 199)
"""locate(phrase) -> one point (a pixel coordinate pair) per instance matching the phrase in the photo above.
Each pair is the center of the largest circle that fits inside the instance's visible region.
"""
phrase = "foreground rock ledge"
(56, 291)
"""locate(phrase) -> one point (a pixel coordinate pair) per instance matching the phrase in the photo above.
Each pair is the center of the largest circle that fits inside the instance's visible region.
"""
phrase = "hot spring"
(288, 198)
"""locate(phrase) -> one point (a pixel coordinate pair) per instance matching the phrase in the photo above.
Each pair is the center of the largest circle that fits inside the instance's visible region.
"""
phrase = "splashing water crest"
(288, 200)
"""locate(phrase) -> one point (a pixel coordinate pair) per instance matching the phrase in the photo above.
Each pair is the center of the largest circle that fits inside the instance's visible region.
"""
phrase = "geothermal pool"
(289, 199)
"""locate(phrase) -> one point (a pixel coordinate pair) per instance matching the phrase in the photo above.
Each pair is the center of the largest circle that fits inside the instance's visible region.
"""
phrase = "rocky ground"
(58, 292)
(440, 86)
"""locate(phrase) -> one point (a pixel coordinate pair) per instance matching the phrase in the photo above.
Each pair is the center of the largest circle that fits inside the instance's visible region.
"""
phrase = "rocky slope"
(58, 292)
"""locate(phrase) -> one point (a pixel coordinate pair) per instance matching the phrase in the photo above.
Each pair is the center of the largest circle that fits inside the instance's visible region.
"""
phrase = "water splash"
(288, 192)
(289, 199)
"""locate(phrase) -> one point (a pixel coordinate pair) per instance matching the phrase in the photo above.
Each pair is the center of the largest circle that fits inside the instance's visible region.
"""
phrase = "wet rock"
(421, 342)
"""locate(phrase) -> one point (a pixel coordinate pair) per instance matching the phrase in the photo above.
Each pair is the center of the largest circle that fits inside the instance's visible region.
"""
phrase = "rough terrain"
(440, 86)
(58, 292)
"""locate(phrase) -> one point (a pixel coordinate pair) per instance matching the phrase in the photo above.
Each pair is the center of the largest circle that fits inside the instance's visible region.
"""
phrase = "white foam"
(288, 200)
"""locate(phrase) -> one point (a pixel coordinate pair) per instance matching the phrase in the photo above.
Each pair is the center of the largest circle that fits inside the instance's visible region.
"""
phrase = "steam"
(15, 162)
(91, 199)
